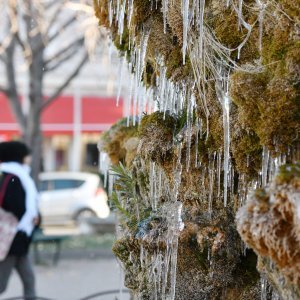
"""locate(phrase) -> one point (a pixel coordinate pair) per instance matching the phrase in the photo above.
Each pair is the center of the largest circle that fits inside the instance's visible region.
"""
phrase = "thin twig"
(66, 83)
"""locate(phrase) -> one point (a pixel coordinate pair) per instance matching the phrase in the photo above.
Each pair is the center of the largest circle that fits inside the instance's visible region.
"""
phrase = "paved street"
(73, 279)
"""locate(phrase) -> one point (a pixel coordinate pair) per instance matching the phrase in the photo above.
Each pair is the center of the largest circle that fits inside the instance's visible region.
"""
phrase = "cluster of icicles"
(211, 61)
(161, 264)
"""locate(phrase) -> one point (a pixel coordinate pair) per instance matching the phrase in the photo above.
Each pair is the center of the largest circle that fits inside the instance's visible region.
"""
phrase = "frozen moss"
(116, 142)
(269, 223)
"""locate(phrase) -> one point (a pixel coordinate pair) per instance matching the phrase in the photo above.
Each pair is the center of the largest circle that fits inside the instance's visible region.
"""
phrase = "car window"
(62, 184)
(59, 184)
(45, 185)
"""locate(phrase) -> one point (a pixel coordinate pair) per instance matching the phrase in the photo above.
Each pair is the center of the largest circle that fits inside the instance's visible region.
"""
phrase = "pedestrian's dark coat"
(14, 202)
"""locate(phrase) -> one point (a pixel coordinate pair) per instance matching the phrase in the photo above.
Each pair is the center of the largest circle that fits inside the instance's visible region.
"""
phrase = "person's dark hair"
(13, 151)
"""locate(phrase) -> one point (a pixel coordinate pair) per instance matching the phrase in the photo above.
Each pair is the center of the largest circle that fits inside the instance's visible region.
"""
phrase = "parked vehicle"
(71, 196)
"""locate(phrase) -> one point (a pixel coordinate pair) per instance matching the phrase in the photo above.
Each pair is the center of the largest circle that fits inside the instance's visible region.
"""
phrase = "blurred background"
(60, 81)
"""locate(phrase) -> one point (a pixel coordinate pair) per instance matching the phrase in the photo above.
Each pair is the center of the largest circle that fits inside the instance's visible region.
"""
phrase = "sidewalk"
(73, 279)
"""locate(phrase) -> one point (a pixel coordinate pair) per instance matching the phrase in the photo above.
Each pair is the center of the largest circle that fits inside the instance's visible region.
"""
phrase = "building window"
(92, 155)
(60, 159)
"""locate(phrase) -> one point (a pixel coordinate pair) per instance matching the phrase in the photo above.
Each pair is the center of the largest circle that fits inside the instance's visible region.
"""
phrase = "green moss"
(142, 12)
(113, 141)
(277, 41)
(122, 44)
(246, 152)
(166, 124)
(288, 173)
(174, 63)
(149, 75)
(247, 268)
(291, 8)
(261, 195)
(101, 12)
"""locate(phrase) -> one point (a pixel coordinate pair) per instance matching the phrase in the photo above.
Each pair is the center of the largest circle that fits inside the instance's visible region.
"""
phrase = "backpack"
(8, 222)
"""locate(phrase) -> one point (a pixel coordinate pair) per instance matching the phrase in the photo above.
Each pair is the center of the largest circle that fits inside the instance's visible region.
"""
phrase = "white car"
(71, 196)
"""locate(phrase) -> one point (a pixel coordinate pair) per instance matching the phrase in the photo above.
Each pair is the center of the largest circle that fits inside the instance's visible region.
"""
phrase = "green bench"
(40, 238)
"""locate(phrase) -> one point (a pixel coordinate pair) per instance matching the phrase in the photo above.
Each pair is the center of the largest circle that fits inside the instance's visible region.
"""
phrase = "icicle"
(152, 181)
(143, 50)
(130, 12)
(211, 182)
(226, 143)
(111, 180)
(175, 225)
(240, 12)
(219, 163)
(185, 17)
(120, 79)
(225, 103)
(120, 16)
(263, 283)
(173, 269)
(159, 271)
(190, 113)
(260, 22)
(200, 20)
(118, 9)
(161, 87)
(265, 165)
(275, 296)
(104, 166)
(142, 255)
(231, 181)
(165, 4)
(139, 63)
(198, 125)
(110, 13)
(129, 102)
(159, 189)
(166, 271)
(177, 174)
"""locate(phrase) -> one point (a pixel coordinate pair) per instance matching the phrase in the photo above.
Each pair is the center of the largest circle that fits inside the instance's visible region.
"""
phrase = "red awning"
(92, 114)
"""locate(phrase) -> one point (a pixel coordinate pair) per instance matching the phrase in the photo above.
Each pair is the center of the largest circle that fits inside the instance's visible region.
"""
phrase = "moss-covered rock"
(119, 142)
(264, 132)
(269, 223)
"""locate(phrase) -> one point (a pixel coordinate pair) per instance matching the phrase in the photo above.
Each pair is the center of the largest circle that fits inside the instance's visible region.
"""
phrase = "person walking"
(20, 199)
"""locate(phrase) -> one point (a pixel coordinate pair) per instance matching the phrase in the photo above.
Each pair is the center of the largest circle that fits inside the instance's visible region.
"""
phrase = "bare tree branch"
(12, 92)
(48, 40)
(63, 26)
(20, 42)
(55, 14)
(65, 51)
(66, 83)
(66, 57)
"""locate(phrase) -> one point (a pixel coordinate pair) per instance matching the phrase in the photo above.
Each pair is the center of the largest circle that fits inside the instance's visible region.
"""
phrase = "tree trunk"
(33, 138)
(33, 134)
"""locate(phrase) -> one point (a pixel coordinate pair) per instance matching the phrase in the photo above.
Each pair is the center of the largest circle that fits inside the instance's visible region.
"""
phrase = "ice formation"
(180, 117)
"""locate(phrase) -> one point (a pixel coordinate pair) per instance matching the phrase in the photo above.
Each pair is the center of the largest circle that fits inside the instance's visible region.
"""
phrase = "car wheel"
(82, 223)
(84, 215)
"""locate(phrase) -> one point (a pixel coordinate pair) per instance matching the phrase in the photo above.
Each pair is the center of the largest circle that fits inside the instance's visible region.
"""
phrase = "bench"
(40, 238)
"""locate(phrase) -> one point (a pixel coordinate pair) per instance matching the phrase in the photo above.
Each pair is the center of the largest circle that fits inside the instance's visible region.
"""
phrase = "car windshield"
(59, 184)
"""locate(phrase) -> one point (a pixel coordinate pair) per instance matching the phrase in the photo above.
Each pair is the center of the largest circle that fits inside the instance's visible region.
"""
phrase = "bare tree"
(40, 36)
